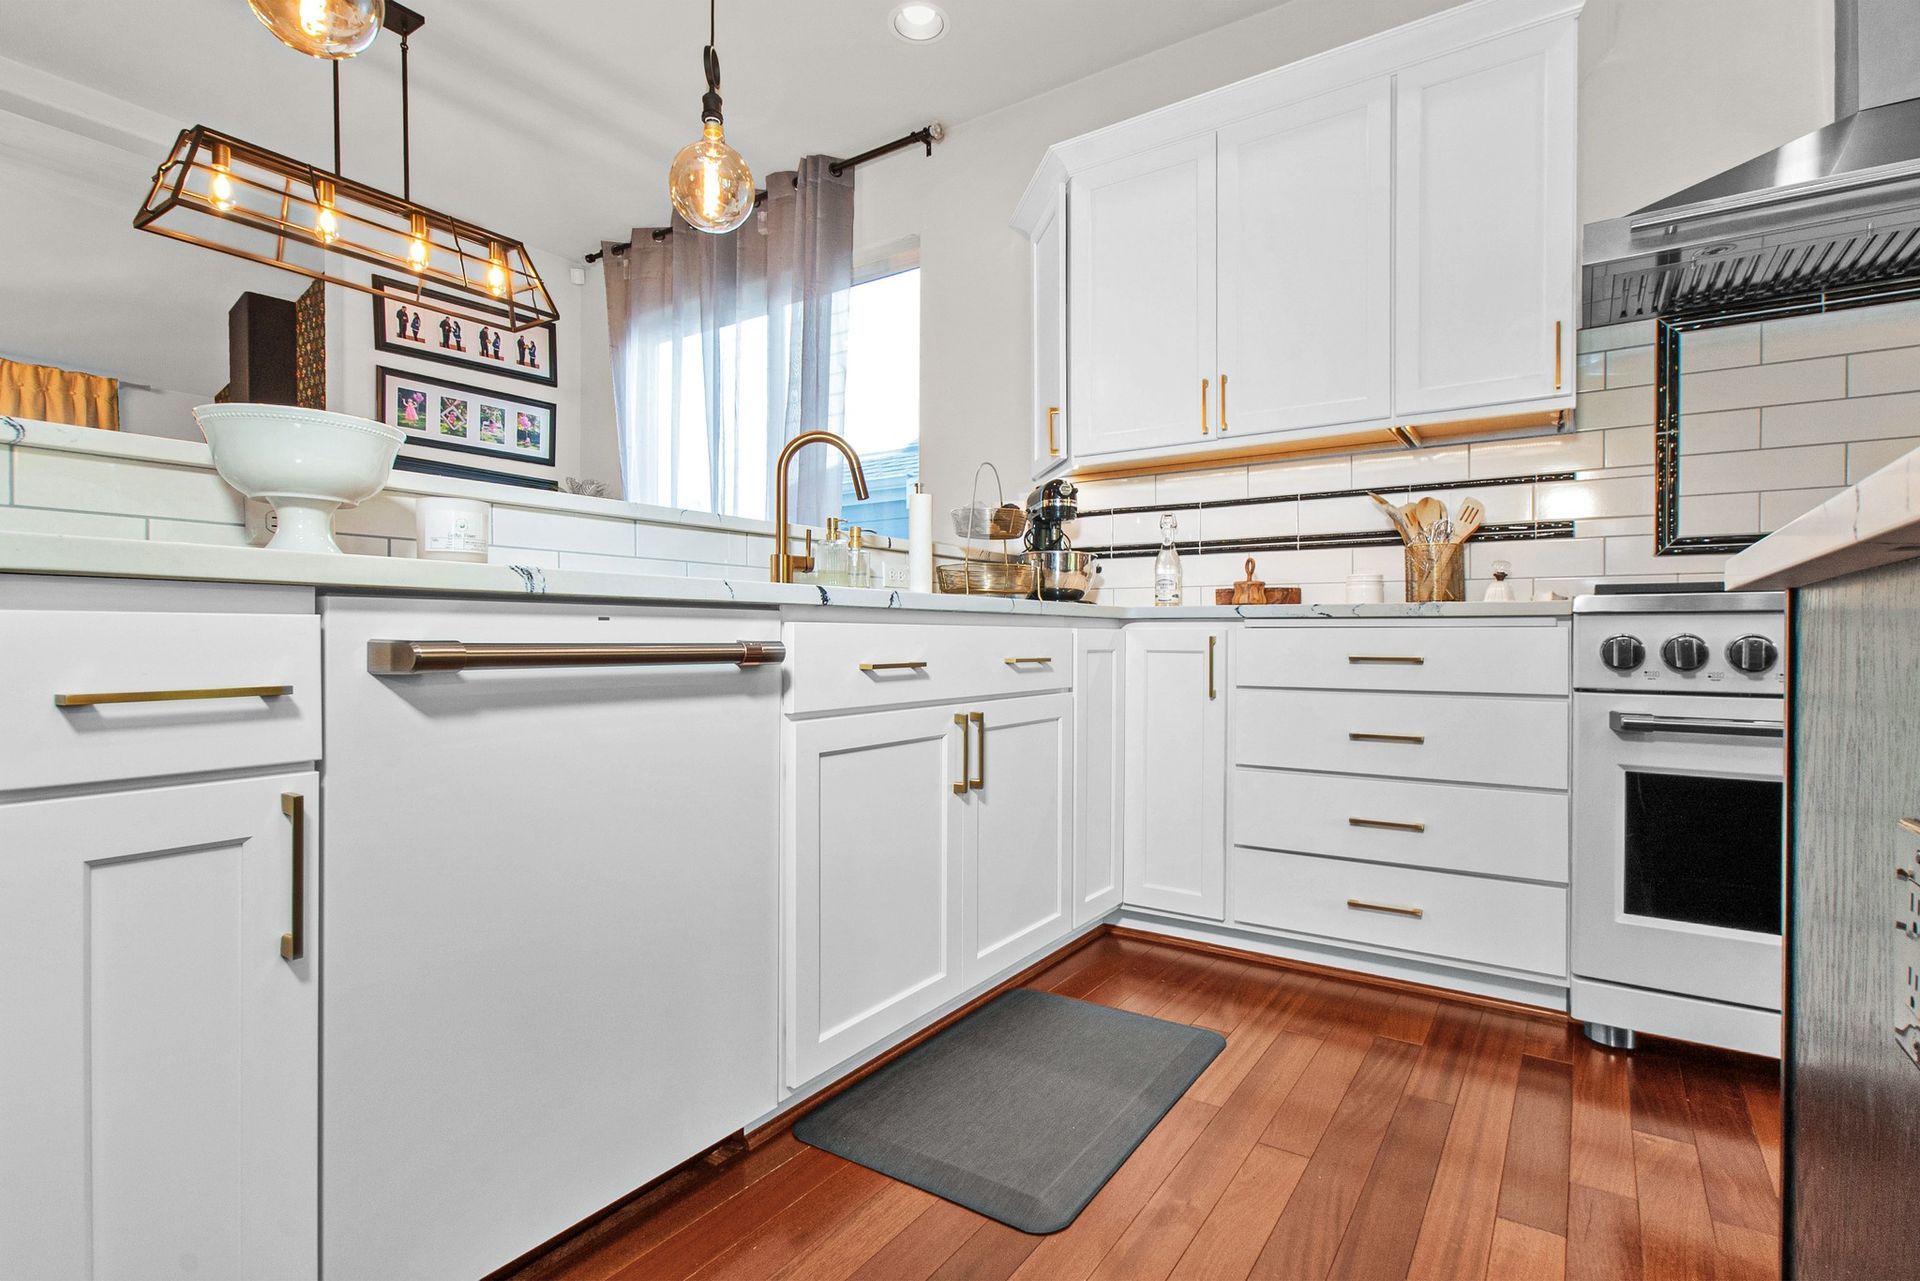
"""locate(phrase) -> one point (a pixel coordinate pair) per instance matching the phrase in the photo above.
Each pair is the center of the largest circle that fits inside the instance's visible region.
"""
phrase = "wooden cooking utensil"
(1471, 516)
(1398, 515)
(1430, 512)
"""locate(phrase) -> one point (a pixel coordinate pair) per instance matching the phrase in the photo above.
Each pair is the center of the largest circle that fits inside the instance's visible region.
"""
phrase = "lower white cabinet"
(1176, 726)
(159, 1045)
(1100, 774)
(930, 851)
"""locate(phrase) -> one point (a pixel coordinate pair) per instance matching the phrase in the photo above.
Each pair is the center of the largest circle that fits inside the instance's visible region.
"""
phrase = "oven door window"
(1704, 850)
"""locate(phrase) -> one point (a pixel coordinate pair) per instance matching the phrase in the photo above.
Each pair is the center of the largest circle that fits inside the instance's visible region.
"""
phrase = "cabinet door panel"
(1306, 245)
(161, 1060)
(876, 880)
(1020, 873)
(1141, 290)
(1485, 224)
(1100, 663)
(1176, 769)
(1051, 416)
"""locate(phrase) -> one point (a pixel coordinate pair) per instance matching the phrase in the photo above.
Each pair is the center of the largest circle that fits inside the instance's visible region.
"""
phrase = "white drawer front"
(1512, 742)
(1438, 825)
(1508, 924)
(82, 655)
(851, 666)
(1416, 656)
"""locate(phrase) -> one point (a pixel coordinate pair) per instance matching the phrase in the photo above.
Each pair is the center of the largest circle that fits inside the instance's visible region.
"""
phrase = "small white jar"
(1366, 589)
(452, 528)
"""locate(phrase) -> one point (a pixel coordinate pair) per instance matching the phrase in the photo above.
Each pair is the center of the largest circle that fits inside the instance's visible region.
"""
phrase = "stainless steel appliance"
(1060, 572)
(1678, 836)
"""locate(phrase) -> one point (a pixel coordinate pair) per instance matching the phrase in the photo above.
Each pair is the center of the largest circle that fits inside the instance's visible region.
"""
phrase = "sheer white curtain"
(726, 347)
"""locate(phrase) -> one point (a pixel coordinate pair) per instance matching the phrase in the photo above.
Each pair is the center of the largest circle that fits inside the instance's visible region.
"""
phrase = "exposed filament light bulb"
(313, 17)
(417, 251)
(496, 270)
(326, 223)
(220, 188)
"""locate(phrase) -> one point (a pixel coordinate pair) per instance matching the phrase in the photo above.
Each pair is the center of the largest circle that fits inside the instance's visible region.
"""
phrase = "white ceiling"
(554, 121)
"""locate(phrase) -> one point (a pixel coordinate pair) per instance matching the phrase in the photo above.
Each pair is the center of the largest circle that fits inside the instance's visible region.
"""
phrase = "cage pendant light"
(709, 182)
(229, 195)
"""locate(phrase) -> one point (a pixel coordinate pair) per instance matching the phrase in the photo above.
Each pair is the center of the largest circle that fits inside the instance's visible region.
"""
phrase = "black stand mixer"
(1059, 572)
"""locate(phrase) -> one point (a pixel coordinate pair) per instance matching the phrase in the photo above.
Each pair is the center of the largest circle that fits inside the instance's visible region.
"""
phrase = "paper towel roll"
(919, 540)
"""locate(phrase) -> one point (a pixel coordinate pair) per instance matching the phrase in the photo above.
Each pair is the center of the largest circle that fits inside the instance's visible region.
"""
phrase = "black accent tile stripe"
(1383, 491)
(1528, 531)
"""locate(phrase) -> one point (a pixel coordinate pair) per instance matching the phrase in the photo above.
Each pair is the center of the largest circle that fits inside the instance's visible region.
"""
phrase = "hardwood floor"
(1346, 1131)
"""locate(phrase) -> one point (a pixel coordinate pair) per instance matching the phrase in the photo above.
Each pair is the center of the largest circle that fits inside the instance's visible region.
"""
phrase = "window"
(882, 420)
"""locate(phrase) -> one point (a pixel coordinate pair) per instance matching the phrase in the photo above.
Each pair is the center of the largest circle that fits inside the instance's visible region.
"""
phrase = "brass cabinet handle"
(1386, 824)
(1361, 905)
(1212, 692)
(966, 755)
(293, 946)
(1386, 738)
(1026, 662)
(917, 665)
(1557, 358)
(1223, 404)
(979, 779)
(1911, 824)
(1203, 405)
(1411, 660)
(1053, 441)
(173, 695)
(412, 658)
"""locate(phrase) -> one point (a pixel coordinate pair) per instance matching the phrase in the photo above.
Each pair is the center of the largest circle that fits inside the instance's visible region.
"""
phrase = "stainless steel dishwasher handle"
(1638, 723)
(412, 658)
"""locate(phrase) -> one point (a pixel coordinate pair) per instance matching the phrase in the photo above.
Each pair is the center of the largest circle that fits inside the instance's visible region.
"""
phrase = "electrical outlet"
(896, 576)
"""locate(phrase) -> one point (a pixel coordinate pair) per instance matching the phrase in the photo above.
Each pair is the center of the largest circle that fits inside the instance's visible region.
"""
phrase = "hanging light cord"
(406, 127)
(336, 118)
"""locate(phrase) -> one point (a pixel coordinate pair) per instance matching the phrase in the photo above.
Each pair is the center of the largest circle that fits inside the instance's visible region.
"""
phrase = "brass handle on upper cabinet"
(1386, 738)
(1387, 824)
(173, 695)
(966, 755)
(979, 779)
(1557, 357)
(1204, 383)
(1053, 443)
(293, 946)
(1223, 404)
(1212, 692)
(1361, 905)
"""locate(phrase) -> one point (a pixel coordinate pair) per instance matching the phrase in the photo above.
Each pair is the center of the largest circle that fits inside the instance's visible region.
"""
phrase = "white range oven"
(1678, 822)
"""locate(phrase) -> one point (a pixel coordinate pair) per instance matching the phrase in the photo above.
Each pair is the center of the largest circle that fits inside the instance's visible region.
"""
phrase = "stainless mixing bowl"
(1062, 575)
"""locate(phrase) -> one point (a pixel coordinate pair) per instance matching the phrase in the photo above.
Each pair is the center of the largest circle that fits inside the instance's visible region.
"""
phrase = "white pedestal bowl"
(305, 462)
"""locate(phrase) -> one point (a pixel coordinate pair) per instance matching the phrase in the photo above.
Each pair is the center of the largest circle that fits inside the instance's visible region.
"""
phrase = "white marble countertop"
(130, 558)
(1873, 523)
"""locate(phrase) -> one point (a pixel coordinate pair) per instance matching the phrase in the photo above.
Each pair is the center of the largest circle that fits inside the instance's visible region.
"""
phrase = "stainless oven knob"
(1752, 654)
(1685, 652)
(1622, 653)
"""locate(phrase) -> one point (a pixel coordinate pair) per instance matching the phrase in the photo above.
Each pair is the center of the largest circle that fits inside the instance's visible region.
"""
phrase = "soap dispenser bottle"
(834, 563)
(859, 559)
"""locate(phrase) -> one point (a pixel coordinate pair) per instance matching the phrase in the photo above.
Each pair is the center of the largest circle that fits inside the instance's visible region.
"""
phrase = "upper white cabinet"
(1052, 420)
(1141, 299)
(1379, 236)
(1306, 236)
(1485, 224)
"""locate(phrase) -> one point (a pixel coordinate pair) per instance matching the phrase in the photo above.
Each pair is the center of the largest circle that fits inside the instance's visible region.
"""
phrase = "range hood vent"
(1836, 210)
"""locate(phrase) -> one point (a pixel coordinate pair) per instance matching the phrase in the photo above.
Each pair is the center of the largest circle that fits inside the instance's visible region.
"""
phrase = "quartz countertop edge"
(66, 554)
(1873, 523)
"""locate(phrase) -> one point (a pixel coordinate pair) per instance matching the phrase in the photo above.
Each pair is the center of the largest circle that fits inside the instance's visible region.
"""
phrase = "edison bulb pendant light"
(496, 269)
(709, 182)
(417, 251)
(326, 222)
(220, 186)
(322, 28)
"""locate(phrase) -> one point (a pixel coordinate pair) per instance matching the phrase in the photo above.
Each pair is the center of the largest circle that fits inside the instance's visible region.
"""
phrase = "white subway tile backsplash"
(121, 486)
(1308, 476)
(671, 542)
(1634, 556)
(1719, 514)
(1634, 333)
(1723, 347)
(387, 515)
(1259, 520)
(1779, 384)
(1411, 468)
(1783, 505)
(622, 564)
(1535, 455)
(360, 544)
(1839, 332)
(40, 520)
(1341, 516)
(1624, 407)
(1590, 371)
(1875, 373)
(1098, 495)
(1539, 558)
(533, 557)
(1720, 432)
(1630, 447)
(1201, 486)
(1584, 499)
(195, 531)
(1613, 527)
(404, 548)
(1764, 469)
(1136, 528)
(1629, 367)
(562, 531)
(1864, 457)
(1860, 418)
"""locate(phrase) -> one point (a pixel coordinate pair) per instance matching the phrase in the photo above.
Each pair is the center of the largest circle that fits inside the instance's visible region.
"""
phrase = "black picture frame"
(394, 292)
(1668, 540)
(386, 380)
(434, 467)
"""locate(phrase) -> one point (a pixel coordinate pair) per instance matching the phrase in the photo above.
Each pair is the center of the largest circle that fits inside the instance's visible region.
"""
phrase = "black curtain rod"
(924, 137)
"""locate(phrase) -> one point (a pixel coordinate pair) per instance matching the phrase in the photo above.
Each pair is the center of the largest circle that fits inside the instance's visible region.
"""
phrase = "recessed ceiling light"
(919, 22)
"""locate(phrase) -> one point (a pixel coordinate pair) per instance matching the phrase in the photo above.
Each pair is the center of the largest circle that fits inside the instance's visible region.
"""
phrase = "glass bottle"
(860, 561)
(833, 563)
(1166, 565)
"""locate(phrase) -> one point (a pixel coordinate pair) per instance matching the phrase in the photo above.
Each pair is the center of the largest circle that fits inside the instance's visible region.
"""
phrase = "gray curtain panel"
(726, 347)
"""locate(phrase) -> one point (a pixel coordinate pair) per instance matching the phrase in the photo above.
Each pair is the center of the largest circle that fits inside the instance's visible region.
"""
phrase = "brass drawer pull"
(966, 755)
(1556, 354)
(172, 695)
(293, 945)
(1026, 662)
(1053, 442)
(412, 658)
(1361, 905)
(1212, 691)
(1387, 738)
(1203, 405)
(1911, 825)
(1223, 404)
(1386, 824)
(979, 779)
(1411, 660)
(918, 665)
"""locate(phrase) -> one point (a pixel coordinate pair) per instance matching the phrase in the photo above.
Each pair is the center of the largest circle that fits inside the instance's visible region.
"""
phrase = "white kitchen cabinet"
(1141, 300)
(875, 939)
(1018, 843)
(1100, 694)
(552, 926)
(1176, 726)
(1305, 254)
(159, 1066)
(1485, 224)
(1052, 418)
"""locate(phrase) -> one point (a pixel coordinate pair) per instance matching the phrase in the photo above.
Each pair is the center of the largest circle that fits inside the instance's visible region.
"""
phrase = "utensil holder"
(1436, 571)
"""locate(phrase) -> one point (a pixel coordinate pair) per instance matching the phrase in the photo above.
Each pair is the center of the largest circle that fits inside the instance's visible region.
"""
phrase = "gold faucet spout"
(784, 562)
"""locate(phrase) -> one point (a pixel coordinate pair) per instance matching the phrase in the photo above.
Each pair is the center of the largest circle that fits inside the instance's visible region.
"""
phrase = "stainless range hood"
(1835, 209)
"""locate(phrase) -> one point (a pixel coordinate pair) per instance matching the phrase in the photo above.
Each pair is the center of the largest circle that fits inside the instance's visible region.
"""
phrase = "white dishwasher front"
(549, 899)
